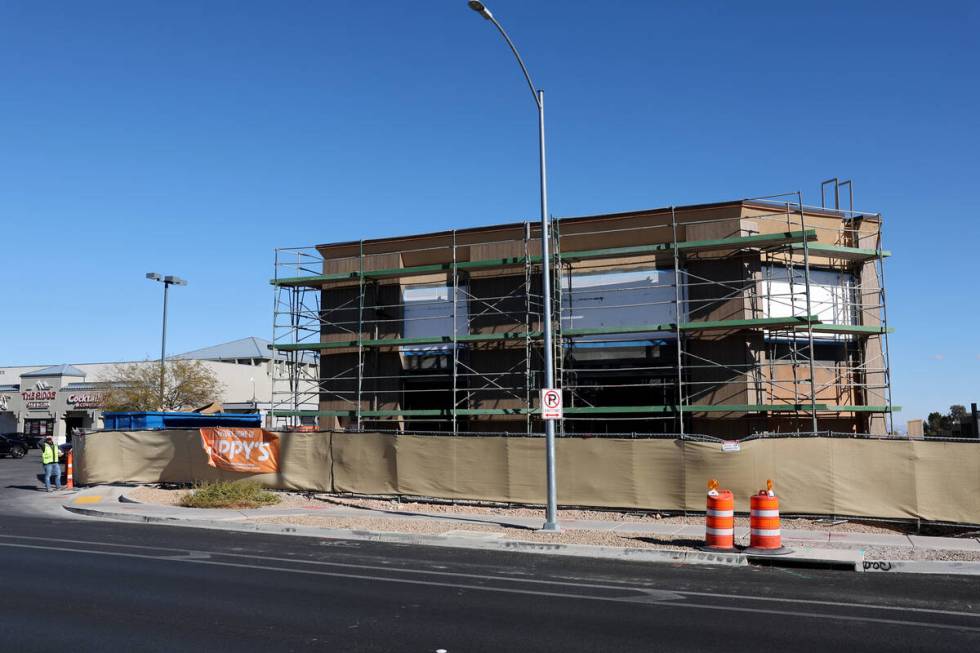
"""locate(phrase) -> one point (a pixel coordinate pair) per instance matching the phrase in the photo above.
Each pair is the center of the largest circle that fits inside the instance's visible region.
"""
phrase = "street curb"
(475, 542)
(518, 546)
(958, 567)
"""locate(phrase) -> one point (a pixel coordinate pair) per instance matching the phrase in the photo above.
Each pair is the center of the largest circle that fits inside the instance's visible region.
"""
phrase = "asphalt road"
(77, 584)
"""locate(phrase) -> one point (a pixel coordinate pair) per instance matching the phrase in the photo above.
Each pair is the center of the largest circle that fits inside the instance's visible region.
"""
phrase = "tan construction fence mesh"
(896, 479)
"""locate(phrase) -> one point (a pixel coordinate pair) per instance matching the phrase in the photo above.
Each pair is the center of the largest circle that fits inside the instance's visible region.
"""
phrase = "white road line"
(334, 574)
(451, 574)
(651, 594)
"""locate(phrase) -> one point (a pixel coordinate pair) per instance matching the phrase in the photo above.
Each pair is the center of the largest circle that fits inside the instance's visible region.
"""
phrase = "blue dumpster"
(146, 421)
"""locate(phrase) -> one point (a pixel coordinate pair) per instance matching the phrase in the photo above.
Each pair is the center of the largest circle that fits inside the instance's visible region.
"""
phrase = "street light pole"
(551, 516)
(163, 341)
(167, 281)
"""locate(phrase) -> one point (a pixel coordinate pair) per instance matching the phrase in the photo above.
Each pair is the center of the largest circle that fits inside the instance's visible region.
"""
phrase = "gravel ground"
(168, 497)
(595, 538)
(837, 526)
(145, 494)
(433, 527)
(375, 522)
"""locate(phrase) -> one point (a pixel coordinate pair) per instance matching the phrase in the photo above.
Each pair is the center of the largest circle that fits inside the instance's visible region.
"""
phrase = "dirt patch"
(156, 495)
(429, 523)
(435, 527)
(171, 497)
(394, 505)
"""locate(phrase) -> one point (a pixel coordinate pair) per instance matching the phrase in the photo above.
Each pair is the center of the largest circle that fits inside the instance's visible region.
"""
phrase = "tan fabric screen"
(937, 481)
(177, 456)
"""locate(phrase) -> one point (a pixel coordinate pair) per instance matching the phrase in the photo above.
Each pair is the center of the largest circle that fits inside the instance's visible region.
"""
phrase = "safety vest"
(49, 454)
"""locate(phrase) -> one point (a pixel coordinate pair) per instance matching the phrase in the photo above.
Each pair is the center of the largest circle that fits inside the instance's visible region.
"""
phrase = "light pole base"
(550, 527)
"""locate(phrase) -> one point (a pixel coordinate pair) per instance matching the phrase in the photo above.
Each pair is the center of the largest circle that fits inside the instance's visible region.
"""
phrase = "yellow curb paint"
(89, 499)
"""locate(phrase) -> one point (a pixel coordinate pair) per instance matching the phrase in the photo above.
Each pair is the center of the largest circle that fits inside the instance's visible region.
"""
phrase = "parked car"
(32, 441)
(12, 446)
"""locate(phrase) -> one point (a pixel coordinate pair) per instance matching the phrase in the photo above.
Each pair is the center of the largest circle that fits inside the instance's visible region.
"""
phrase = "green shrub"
(228, 494)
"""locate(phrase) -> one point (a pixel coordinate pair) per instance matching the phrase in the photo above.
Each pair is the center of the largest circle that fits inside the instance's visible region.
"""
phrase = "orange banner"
(241, 450)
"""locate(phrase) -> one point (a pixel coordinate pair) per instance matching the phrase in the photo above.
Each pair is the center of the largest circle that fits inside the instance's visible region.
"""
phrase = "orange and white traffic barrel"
(719, 526)
(765, 536)
(70, 482)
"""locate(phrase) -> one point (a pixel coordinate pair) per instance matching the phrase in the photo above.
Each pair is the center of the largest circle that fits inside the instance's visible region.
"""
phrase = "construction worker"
(50, 453)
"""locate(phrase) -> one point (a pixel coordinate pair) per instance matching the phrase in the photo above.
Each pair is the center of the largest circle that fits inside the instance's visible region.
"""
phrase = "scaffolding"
(762, 315)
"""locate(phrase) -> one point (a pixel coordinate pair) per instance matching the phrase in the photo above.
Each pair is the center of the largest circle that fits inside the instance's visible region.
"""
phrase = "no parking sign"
(551, 403)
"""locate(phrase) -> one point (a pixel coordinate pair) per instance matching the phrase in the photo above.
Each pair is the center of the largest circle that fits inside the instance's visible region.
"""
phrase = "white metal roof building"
(54, 399)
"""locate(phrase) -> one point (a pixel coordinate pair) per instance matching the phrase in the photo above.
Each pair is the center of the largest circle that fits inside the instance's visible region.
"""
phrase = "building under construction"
(723, 319)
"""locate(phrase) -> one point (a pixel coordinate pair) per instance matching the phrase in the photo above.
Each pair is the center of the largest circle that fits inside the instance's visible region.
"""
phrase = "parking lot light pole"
(551, 517)
(167, 281)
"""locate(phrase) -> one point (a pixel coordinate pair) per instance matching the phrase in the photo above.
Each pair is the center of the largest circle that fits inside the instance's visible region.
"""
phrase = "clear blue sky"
(195, 137)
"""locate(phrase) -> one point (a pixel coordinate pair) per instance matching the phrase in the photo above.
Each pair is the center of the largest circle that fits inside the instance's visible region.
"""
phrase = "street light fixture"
(551, 518)
(167, 281)
(481, 9)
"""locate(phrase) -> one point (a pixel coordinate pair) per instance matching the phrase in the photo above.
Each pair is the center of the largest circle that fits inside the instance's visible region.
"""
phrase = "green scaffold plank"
(712, 325)
(312, 281)
(413, 270)
(598, 331)
(595, 410)
(492, 337)
(397, 342)
(446, 267)
(763, 322)
(496, 411)
(498, 262)
(305, 413)
(313, 346)
(439, 412)
(445, 412)
(760, 240)
(613, 410)
(842, 252)
(419, 412)
(752, 408)
(864, 409)
(851, 328)
(308, 346)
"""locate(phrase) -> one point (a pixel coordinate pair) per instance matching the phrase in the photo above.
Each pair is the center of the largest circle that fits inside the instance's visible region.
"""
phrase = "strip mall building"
(56, 399)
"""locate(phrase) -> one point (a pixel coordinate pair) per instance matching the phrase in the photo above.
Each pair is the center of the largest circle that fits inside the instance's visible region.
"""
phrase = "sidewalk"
(650, 541)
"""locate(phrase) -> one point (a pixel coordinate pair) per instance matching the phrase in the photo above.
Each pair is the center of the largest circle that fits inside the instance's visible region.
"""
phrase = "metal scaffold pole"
(809, 317)
(794, 340)
(276, 291)
(558, 311)
(360, 334)
(528, 373)
(677, 324)
(880, 264)
(293, 355)
(454, 289)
